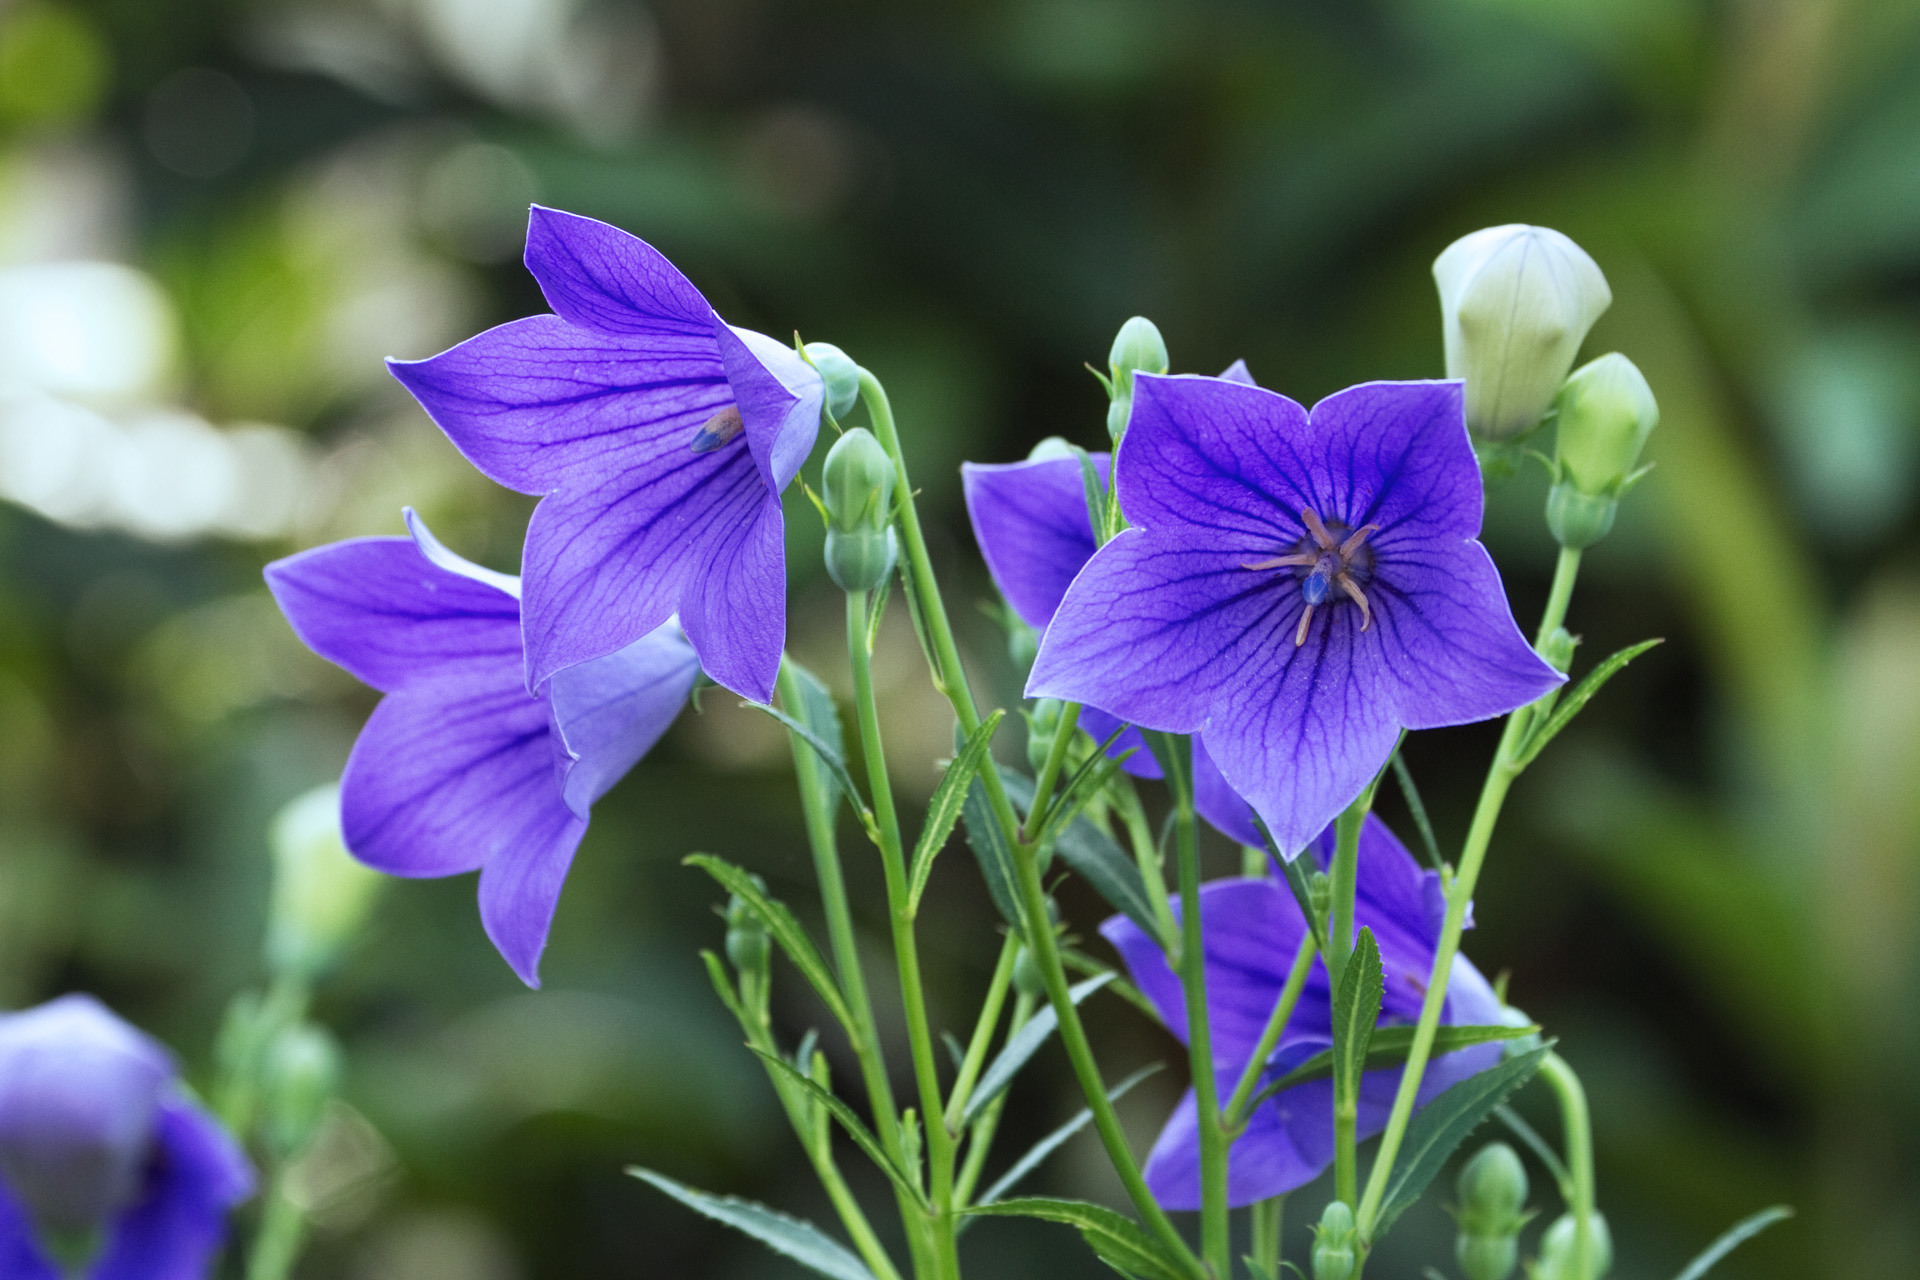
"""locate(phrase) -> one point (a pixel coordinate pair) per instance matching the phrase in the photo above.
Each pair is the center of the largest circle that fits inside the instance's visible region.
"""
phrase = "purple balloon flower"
(659, 438)
(460, 768)
(1251, 929)
(1296, 588)
(97, 1139)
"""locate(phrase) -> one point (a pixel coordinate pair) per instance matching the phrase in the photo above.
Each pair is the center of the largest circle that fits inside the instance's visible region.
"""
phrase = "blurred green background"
(216, 218)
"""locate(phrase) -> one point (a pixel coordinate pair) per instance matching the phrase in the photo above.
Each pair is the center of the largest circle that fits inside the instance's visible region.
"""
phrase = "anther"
(718, 430)
(1300, 636)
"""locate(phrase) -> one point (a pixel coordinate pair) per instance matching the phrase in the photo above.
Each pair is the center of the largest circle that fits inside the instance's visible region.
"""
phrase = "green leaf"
(723, 986)
(1734, 1236)
(1092, 853)
(1115, 1238)
(851, 1122)
(1539, 1146)
(1086, 784)
(1563, 714)
(1416, 807)
(787, 1236)
(1022, 1046)
(784, 928)
(1356, 1012)
(1294, 870)
(1093, 490)
(1040, 1150)
(991, 850)
(835, 762)
(1444, 1124)
(1389, 1048)
(944, 809)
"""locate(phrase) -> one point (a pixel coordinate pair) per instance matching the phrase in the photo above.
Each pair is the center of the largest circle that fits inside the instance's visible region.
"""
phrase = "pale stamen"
(1282, 562)
(1346, 583)
(1354, 539)
(1300, 636)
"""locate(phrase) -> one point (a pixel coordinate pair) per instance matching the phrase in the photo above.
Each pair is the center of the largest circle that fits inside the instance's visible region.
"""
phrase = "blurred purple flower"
(1251, 930)
(1296, 588)
(460, 768)
(659, 438)
(99, 1143)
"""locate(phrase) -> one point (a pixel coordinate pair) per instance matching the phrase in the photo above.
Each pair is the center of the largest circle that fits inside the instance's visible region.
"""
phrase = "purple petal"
(448, 774)
(609, 712)
(442, 557)
(1219, 803)
(1030, 519)
(1237, 372)
(175, 1230)
(540, 404)
(1446, 642)
(1099, 726)
(20, 1255)
(599, 277)
(386, 613)
(520, 885)
(1397, 454)
(780, 397)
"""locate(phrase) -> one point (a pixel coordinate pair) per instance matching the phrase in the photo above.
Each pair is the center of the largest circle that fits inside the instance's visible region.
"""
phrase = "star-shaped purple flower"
(659, 438)
(96, 1135)
(460, 768)
(1296, 588)
(1251, 931)
(1035, 533)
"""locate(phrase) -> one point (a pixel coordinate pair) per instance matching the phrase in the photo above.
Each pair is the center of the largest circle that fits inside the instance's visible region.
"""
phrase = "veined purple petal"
(382, 610)
(1030, 519)
(1217, 801)
(520, 884)
(599, 277)
(438, 553)
(609, 712)
(780, 397)
(175, 1230)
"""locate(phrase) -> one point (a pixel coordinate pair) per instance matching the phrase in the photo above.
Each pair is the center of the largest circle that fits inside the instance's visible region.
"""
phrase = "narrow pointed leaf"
(813, 708)
(1356, 1012)
(1734, 1236)
(944, 809)
(1022, 1046)
(1444, 1124)
(1418, 808)
(787, 1236)
(723, 985)
(851, 1122)
(1114, 1237)
(1094, 488)
(1294, 869)
(1389, 1048)
(1093, 854)
(1087, 782)
(1570, 707)
(785, 929)
(990, 849)
(1040, 1150)
(835, 762)
(1539, 1146)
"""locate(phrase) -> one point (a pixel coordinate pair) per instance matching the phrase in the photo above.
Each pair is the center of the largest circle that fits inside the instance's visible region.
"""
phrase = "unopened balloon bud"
(1138, 347)
(1558, 649)
(857, 492)
(321, 895)
(748, 949)
(1043, 722)
(300, 1075)
(1515, 303)
(1560, 1249)
(1026, 976)
(1605, 413)
(841, 375)
(1492, 1209)
(1333, 1241)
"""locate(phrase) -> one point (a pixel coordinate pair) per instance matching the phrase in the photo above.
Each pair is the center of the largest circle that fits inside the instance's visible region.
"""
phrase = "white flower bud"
(320, 893)
(1516, 302)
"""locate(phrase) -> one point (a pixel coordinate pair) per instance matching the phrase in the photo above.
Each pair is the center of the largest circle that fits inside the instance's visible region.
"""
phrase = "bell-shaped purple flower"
(1296, 588)
(99, 1144)
(659, 439)
(460, 768)
(1251, 929)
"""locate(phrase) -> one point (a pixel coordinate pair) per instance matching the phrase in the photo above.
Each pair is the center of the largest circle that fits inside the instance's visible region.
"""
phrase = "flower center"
(718, 430)
(1334, 559)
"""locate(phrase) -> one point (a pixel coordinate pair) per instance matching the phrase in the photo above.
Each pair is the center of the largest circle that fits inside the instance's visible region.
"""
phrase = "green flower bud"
(1026, 976)
(1558, 650)
(1138, 346)
(1493, 1196)
(748, 949)
(299, 1077)
(321, 895)
(1320, 892)
(857, 491)
(1051, 447)
(1333, 1253)
(1559, 1245)
(1042, 723)
(1605, 413)
(841, 375)
(1515, 303)
(1023, 642)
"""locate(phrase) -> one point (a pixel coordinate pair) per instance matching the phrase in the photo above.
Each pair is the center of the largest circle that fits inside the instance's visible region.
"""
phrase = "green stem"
(276, 1244)
(951, 678)
(1493, 794)
(1578, 1137)
(1146, 854)
(825, 844)
(906, 951)
(981, 1140)
(1237, 1105)
(1265, 1218)
(1050, 770)
(976, 1059)
(1215, 1243)
(1340, 935)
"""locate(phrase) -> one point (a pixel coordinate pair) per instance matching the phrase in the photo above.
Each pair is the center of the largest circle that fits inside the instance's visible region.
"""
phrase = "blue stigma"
(1316, 586)
(720, 429)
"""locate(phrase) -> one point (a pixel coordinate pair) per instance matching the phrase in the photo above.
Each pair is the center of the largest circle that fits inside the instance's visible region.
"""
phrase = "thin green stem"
(906, 951)
(1578, 1136)
(1146, 854)
(1050, 770)
(276, 1245)
(1265, 1218)
(951, 679)
(1340, 934)
(982, 1039)
(1215, 1243)
(1493, 794)
(1237, 1105)
(980, 1142)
